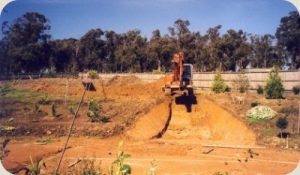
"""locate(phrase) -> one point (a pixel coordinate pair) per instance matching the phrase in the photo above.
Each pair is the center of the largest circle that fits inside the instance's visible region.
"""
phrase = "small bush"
(228, 89)
(53, 110)
(89, 167)
(36, 108)
(296, 90)
(4, 90)
(71, 110)
(93, 74)
(35, 168)
(93, 112)
(218, 85)
(44, 100)
(260, 90)
(260, 113)
(282, 123)
(241, 83)
(118, 166)
(274, 87)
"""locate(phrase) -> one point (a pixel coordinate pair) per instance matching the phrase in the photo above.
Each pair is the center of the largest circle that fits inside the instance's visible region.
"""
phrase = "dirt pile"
(140, 106)
(118, 87)
(207, 123)
(153, 124)
(122, 104)
(123, 80)
(196, 120)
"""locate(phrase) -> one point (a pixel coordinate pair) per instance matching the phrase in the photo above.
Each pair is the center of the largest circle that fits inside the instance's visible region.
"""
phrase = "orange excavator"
(182, 77)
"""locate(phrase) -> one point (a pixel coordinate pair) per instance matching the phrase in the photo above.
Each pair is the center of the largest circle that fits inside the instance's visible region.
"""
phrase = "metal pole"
(70, 131)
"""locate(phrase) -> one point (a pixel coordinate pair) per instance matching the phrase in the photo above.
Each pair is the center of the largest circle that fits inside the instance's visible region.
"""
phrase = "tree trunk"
(298, 129)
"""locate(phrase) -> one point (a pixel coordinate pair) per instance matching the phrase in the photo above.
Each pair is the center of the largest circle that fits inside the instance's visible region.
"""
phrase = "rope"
(70, 131)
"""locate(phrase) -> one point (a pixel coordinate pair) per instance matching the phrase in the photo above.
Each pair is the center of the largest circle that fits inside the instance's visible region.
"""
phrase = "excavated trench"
(192, 119)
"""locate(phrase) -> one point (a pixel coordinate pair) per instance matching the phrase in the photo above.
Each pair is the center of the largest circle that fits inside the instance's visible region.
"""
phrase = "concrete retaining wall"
(204, 80)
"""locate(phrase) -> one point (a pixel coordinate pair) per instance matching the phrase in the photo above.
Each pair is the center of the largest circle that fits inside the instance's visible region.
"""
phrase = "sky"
(73, 18)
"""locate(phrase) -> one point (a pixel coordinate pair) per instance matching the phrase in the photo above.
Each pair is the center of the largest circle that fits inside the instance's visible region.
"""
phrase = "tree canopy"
(27, 47)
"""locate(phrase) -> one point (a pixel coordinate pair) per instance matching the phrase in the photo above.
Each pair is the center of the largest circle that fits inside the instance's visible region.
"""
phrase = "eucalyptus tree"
(288, 37)
(26, 41)
(264, 52)
(91, 51)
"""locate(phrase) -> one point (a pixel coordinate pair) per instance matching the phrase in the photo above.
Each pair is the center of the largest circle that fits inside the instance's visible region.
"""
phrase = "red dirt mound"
(152, 124)
(208, 121)
(124, 80)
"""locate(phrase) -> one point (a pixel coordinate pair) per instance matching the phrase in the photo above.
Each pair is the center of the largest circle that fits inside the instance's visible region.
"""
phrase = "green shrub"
(71, 110)
(218, 85)
(296, 89)
(260, 113)
(4, 90)
(93, 74)
(89, 167)
(35, 168)
(241, 83)
(274, 87)
(44, 100)
(93, 112)
(282, 123)
(227, 89)
(260, 89)
(118, 166)
(36, 107)
(53, 110)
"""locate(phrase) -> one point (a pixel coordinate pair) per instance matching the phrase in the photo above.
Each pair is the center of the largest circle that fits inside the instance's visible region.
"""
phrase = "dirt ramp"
(208, 123)
(223, 125)
(153, 124)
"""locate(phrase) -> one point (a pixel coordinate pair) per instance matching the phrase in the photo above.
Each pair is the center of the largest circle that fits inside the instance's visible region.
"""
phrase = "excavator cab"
(182, 77)
(187, 76)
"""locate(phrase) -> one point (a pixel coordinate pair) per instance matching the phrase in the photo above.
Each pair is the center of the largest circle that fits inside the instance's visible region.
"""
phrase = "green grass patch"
(256, 120)
(21, 95)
